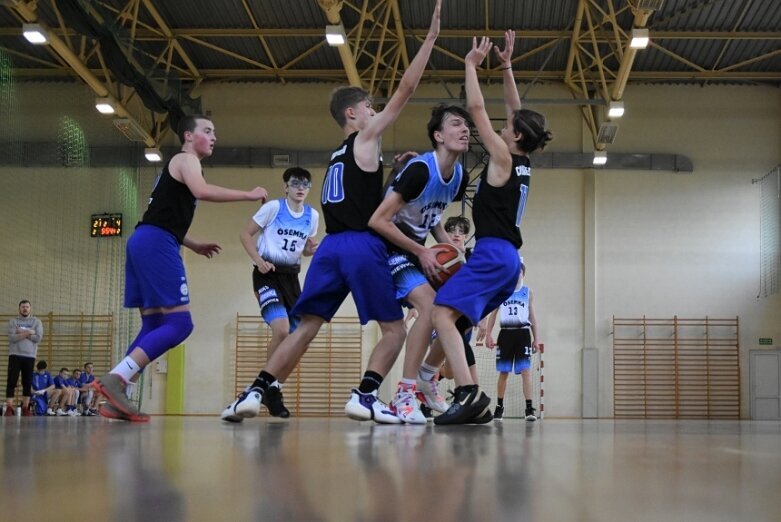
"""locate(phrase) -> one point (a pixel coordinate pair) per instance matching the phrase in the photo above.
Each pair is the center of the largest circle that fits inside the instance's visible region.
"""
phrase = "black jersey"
(497, 211)
(171, 205)
(350, 195)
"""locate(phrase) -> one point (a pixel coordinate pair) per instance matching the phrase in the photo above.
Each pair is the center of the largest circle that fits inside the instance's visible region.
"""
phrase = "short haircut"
(438, 114)
(533, 127)
(23, 301)
(457, 221)
(344, 97)
(77, 370)
(64, 370)
(41, 365)
(188, 124)
(296, 172)
(87, 364)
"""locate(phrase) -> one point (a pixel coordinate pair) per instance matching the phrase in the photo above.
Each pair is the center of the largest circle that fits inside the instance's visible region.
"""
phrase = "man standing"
(25, 331)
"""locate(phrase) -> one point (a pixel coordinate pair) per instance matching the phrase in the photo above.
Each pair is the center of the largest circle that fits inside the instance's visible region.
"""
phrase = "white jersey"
(514, 312)
(284, 232)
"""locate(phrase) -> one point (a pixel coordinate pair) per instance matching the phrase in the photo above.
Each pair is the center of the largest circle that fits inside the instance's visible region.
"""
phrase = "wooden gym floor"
(312, 469)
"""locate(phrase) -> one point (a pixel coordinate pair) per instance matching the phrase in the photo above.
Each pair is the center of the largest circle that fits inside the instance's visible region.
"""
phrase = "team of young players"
(380, 272)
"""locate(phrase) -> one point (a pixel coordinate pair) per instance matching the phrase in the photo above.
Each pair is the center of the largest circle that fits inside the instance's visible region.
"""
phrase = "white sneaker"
(366, 406)
(74, 413)
(405, 405)
(50, 412)
(430, 392)
(246, 405)
(61, 413)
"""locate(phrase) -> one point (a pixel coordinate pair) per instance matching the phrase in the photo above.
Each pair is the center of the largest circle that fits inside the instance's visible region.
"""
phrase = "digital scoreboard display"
(106, 225)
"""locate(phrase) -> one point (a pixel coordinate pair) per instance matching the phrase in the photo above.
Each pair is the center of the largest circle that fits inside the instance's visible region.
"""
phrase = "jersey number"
(291, 247)
(333, 188)
(521, 204)
(512, 310)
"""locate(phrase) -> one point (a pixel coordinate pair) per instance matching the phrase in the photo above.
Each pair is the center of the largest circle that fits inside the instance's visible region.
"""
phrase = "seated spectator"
(65, 384)
(44, 389)
(90, 398)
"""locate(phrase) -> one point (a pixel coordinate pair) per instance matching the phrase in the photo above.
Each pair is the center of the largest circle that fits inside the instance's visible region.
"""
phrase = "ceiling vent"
(607, 133)
(649, 5)
(280, 160)
(132, 130)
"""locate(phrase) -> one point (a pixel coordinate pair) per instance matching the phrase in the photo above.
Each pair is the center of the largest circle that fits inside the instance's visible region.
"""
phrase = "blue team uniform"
(351, 258)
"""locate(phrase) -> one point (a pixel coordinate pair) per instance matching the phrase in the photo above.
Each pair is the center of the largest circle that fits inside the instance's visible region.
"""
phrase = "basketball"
(450, 258)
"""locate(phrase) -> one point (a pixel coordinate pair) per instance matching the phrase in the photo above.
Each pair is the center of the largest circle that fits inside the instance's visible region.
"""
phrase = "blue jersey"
(284, 234)
(41, 381)
(426, 194)
(514, 312)
(85, 379)
(61, 382)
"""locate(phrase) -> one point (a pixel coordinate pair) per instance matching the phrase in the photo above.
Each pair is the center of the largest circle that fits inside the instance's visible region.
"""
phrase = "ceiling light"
(615, 109)
(640, 39)
(35, 33)
(153, 154)
(335, 34)
(600, 157)
(105, 105)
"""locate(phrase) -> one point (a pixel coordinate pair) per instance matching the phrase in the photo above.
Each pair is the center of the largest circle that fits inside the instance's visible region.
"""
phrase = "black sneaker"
(483, 418)
(469, 403)
(530, 416)
(499, 413)
(272, 399)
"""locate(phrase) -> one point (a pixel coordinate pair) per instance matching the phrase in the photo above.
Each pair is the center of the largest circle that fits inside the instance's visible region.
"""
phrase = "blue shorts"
(483, 283)
(154, 270)
(406, 276)
(347, 262)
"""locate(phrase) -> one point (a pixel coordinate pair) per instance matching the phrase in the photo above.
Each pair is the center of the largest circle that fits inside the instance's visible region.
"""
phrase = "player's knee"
(182, 325)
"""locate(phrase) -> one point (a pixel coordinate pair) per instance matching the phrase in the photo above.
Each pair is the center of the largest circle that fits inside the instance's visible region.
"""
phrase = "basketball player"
(285, 228)
(155, 279)
(412, 209)
(351, 258)
(517, 342)
(490, 276)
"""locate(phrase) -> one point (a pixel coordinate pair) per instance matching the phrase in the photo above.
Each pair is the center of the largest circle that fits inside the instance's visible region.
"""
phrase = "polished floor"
(197, 468)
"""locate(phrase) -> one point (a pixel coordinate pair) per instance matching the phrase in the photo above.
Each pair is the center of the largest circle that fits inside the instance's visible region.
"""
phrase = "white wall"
(664, 244)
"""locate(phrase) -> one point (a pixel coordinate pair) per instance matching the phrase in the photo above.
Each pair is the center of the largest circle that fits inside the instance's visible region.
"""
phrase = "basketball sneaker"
(469, 403)
(272, 400)
(405, 406)
(430, 392)
(367, 406)
(246, 405)
(530, 416)
(110, 412)
(112, 387)
(483, 418)
(499, 413)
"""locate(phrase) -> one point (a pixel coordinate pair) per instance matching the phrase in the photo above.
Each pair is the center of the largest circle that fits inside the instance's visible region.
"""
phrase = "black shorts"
(513, 350)
(276, 292)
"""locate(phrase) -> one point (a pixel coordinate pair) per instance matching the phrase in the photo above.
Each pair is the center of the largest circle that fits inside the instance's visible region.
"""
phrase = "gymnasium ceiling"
(150, 56)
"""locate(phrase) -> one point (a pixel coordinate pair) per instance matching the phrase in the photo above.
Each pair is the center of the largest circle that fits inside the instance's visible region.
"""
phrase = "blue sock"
(175, 328)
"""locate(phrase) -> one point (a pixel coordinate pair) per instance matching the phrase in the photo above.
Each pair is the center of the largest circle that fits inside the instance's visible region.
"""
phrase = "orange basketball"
(449, 257)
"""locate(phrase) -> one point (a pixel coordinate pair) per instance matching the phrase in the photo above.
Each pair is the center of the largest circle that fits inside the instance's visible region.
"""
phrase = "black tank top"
(497, 211)
(171, 205)
(350, 195)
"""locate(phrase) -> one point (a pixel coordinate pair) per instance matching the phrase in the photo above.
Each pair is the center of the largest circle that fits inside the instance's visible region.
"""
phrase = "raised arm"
(501, 162)
(407, 85)
(512, 100)
(187, 169)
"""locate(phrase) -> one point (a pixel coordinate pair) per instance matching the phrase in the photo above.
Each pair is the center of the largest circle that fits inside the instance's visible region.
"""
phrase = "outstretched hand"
(478, 53)
(505, 55)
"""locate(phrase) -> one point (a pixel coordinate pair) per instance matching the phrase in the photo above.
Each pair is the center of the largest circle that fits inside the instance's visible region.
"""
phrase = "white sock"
(127, 369)
(427, 372)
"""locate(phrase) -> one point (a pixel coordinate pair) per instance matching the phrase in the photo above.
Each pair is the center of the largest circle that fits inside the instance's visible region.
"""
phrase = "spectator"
(65, 384)
(25, 331)
(90, 398)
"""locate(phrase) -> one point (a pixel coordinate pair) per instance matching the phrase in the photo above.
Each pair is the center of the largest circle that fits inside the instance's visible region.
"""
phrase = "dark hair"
(24, 301)
(532, 125)
(41, 365)
(344, 97)
(77, 370)
(87, 363)
(438, 114)
(457, 221)
(188, 124)
(296, 172)
(64, 370)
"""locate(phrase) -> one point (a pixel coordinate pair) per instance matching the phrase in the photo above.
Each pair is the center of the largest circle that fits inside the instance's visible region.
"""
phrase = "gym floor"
(335, 469)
